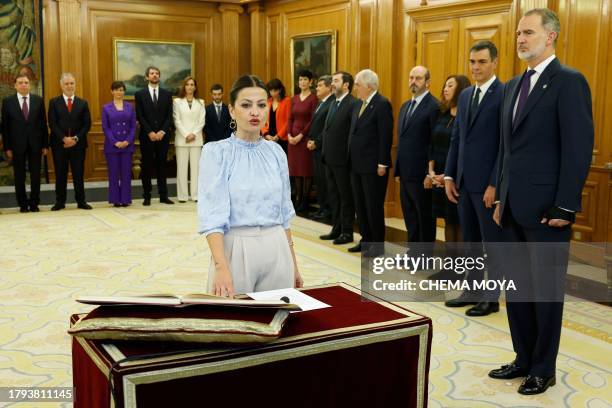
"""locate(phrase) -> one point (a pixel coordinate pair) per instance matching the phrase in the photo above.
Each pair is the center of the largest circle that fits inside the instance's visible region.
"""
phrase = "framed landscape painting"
(315, 52)
(132, 57)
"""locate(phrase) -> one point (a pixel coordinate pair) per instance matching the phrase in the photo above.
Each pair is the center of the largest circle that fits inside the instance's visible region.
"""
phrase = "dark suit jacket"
(414, 139)
(336, 133)
(371, 135)
(215, 129)
(17, 133)
(546, 157)
(153, 118)
(318, 122)
(63, 123)
(472, 155)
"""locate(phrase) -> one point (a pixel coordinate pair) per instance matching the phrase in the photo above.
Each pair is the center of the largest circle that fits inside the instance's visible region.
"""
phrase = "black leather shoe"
(508, 372)
(483, 309)
(117, 205)
(57, 207)
(84, 206)
(23, 209)
(356, 248)
(330, 236)
(343, 239)
(536, 385)
(146, 202)
(465, 299)
(34, 208)
(166, 201)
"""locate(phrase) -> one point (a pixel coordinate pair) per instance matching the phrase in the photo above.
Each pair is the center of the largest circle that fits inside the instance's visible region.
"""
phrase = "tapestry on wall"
(20, 52)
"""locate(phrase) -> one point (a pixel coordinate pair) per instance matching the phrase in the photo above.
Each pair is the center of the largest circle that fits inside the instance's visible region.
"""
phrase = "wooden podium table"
(357, 353)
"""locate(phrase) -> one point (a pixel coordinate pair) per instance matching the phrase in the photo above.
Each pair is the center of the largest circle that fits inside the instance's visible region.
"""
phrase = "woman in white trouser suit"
(189, 117)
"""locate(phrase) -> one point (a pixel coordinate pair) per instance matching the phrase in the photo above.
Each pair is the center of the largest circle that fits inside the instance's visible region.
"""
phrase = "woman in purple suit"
(119, 125)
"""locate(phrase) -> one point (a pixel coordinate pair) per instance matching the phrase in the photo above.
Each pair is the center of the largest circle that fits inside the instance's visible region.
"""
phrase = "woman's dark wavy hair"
(277, 84)
(245, 81)
(462, 83)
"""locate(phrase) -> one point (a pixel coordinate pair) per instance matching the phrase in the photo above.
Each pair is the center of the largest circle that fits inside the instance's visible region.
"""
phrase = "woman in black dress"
(440, 142)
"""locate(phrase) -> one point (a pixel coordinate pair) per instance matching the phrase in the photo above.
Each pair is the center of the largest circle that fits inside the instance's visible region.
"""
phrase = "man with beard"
(218, 119)
(546, 149)
(416, 120)
(154, 114)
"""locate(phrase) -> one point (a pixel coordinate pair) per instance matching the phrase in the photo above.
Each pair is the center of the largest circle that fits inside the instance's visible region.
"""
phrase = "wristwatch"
(76, 139)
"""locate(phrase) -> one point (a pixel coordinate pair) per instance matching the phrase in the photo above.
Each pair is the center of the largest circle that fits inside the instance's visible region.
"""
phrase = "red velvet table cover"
(361, 352)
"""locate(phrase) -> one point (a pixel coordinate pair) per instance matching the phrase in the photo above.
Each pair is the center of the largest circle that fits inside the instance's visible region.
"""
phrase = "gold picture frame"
(132, 56)
(315, 52)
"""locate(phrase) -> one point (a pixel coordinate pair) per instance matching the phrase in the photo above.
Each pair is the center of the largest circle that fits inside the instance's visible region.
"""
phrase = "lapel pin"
(544, 86)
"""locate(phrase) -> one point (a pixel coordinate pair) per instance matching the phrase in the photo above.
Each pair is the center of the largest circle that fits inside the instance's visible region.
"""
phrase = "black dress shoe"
(34, 208)
(465, 299)
(125, 205)
(166, 201)
(146, 201)
(84, 206)
(23, 209)
(483, 309)
(330, 236)
(117, 205)
(57, 207)
(343, 239)
(536, 385)
(508, 372)
(356, 248)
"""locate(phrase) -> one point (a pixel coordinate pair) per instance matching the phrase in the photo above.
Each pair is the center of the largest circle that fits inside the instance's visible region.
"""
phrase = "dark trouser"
(119, 177)
(369, 191)
(33, 159)
(154, 157)
(62, 158)
(418, 213)
(478, 227)
(340, 198)
(320, 181)
(535, 326)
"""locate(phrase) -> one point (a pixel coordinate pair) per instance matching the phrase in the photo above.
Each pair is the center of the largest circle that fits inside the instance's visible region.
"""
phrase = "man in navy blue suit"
(547, 145)
(471, 168)
(416, 120)
(217, 126)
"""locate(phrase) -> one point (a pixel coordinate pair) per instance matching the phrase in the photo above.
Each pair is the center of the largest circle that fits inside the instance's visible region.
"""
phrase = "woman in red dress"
(303, 106)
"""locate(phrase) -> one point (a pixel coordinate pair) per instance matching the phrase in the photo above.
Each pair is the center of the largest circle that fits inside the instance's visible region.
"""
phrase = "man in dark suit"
(154, 114)
(217, 125)
(416, 120)
(25, 138)
(471, 169)
(547, 144)
(69, 121)
(370, 142)
(324, 93)
(335, 156)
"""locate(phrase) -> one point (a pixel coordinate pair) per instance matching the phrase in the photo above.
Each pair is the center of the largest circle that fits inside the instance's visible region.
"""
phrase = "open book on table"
(185, 300)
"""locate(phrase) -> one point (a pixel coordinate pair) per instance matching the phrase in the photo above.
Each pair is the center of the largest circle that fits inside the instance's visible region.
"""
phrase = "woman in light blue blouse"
(244, 202)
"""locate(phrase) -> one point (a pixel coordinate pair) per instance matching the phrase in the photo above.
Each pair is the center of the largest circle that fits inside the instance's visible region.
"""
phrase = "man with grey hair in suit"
(370, 140)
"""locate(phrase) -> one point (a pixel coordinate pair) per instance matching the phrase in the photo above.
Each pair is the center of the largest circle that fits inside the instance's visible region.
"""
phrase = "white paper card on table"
(295, 296)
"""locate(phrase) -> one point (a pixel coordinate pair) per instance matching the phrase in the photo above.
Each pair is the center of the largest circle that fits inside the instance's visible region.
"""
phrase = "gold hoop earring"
(233, 124)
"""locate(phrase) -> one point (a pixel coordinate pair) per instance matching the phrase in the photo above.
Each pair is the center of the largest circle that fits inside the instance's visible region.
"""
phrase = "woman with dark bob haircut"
(244, 202)
(119, 126)
(279, 105)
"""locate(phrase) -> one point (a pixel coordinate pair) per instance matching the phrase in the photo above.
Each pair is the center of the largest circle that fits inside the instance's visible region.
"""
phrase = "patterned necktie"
(411, 106)
(155, 96)
(363, 106)
(24, 108)
(475, 103)
(218, 108)
(69, 105)
(522, 101)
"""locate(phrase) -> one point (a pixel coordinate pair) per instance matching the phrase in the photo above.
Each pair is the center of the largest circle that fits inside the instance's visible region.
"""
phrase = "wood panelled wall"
(78, 38)
(388, 36)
